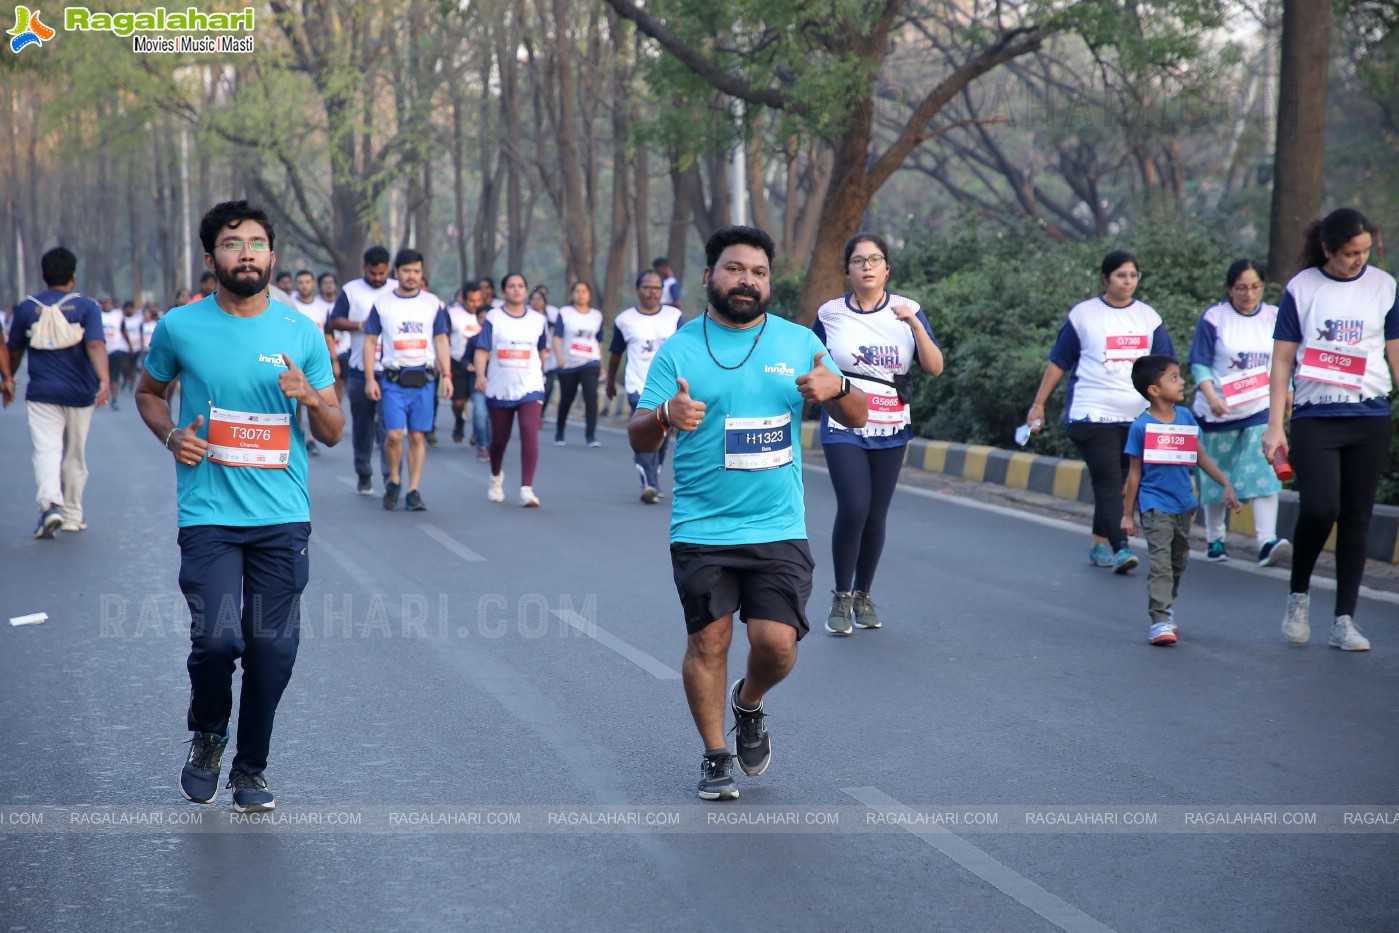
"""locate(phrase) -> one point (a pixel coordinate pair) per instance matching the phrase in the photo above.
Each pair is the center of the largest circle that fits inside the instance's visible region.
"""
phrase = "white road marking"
(1009, 882)
(605, 638)
(450, 543)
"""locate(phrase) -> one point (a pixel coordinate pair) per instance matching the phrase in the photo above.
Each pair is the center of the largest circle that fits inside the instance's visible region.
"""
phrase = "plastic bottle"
(1280, 465)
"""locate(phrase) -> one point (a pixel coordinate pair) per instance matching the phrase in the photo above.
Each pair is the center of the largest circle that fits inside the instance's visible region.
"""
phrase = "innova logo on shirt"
(28, 30)
(781, 369)
(275, 359)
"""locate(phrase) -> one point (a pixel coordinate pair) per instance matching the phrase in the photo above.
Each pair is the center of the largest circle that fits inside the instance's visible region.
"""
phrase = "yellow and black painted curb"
(1068, 479)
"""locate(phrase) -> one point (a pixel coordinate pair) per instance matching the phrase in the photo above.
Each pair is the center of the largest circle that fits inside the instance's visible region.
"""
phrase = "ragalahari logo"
(29, 30)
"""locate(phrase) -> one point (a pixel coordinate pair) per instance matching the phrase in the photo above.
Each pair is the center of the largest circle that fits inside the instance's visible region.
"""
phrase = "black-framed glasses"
(867, 262)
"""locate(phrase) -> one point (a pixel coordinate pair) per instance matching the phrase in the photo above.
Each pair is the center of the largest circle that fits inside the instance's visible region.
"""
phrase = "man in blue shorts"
(246, 364)
(732, 383)
(413, 328)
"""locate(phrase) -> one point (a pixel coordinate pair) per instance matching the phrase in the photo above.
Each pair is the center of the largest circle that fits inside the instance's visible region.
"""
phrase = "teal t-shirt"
(233, 364)
(723, 492)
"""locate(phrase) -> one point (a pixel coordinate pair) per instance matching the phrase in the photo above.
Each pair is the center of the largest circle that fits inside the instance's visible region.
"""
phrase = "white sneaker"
(1346, 636)
(527, 497)
(1296, 625)
(497, 491)
(73, 526)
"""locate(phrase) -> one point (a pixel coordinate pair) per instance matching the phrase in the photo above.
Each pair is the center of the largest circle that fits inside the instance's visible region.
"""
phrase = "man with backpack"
(67, 377)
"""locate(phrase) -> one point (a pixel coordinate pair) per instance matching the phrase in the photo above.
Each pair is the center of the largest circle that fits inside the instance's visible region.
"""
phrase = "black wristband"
(844, 390)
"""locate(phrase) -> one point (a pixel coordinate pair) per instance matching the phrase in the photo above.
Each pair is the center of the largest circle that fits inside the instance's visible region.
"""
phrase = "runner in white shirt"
(539, 301)
(510, 371)
(1230, 359)
(874, 338)
(351, 309)
(132, 322)
(416, 355)
(329, 290)
(1098, 344)
(1337, 337)
(465, 325)
(639, 332)
(309, 302)
(118, 347)
(578, 347)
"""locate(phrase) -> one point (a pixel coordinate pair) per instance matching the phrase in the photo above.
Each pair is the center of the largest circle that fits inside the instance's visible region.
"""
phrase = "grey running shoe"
(754, 746)
(648, 495)
(49, 520)
(199, 778)
(842, 613)
(313, 449)
(391, 496)
(1296, 625)
(864, 611)
(1346, 636)
(717, 777)
(250, 793)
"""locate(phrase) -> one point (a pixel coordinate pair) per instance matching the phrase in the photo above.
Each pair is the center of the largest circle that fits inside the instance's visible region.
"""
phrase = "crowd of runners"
(260, 388)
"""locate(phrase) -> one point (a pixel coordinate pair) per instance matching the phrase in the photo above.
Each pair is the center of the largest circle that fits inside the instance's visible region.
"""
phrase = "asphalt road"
(486, 729)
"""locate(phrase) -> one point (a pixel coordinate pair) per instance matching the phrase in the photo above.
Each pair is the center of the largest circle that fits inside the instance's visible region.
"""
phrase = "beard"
(750, 306)
(242, 285)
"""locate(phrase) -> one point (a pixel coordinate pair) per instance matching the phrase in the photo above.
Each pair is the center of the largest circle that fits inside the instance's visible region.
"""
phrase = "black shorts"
(461, 382)
(759, 581)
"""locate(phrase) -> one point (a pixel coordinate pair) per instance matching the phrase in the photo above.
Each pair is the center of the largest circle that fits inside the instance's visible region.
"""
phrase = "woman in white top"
(1098, 343)
(1230, 359)
(510, 371)
(578, 349)
(1337, 339)
(875, 338)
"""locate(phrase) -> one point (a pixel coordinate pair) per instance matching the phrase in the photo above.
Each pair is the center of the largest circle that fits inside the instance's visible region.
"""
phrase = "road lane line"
(1009, 882)
(1062, 524)
(450, 543)
(605, 638)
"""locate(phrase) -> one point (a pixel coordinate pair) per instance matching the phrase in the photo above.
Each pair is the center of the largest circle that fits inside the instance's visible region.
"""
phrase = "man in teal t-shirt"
(246, 363)
(732, 384)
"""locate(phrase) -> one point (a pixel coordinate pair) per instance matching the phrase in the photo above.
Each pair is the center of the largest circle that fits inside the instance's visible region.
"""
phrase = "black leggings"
(864, 482)
(1101, 447)
(1337, 462)
(568, 388)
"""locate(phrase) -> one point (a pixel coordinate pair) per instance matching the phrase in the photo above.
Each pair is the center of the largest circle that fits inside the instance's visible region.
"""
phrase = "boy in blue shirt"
(1164, 447)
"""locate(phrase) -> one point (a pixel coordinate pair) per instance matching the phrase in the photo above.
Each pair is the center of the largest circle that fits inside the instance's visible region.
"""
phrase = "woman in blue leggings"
(875, 338)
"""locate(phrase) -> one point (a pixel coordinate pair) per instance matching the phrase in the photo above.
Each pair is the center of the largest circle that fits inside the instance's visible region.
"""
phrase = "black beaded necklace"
(705, 327)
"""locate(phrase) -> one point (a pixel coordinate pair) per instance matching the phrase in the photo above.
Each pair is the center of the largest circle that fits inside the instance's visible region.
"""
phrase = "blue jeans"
(366, 428)
(648, 465)
(480, 419)
(243, 587)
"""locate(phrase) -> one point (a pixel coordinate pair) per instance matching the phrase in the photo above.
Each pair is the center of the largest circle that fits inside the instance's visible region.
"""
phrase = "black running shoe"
(413, 502)
(365, 487)
(459, 433)
(753, 746)
(199, 778)
(390, 496)
(432, 438)
(717, 777)
(250, 793)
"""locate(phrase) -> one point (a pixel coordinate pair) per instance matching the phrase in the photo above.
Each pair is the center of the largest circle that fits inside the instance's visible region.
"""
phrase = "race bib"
(509, 358)
(582, 349)
(1127, 346)
(1333, 367)
(757, 443)
(1248, 386)
(249, 439)
(1171, 443)
(885, 409)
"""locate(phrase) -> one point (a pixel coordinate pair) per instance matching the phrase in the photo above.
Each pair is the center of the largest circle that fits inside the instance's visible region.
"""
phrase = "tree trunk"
(841, 214)
(681, 211)
(1301, 132)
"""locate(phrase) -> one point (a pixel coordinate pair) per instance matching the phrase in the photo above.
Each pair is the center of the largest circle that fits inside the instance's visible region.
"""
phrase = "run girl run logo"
(28, 30)
(887, 357)
(1348, 332)
(1250, 359)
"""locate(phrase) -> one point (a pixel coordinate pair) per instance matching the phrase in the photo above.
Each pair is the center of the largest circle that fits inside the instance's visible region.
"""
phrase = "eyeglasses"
(868, 262)
(236, 246)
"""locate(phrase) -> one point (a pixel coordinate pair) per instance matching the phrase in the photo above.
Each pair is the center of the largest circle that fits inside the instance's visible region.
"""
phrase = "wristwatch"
(844, 390)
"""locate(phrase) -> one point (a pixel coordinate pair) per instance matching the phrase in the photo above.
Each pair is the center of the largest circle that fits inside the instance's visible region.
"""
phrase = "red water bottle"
(1280, 465)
